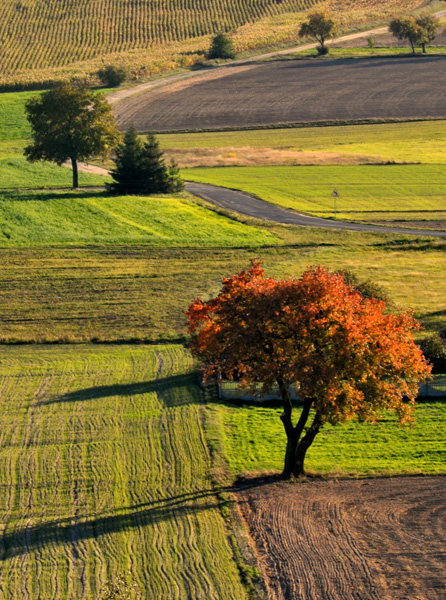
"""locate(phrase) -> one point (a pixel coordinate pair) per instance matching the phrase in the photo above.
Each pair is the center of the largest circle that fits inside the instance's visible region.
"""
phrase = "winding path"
(252, 206)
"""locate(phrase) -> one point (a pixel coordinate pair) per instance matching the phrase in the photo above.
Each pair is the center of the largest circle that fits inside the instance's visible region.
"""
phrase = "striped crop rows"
(37, 34)
(104, 472)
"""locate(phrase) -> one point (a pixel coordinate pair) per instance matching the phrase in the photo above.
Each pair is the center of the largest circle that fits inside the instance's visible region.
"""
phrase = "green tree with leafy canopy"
(419, 31)
(321, 27)
(429, 25)
(72, 123)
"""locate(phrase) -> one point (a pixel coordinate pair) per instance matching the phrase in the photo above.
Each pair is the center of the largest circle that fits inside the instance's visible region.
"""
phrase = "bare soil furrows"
(380, 539)
(294, 91)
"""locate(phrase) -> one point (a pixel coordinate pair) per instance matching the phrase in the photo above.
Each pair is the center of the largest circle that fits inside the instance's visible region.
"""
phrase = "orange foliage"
(347, 356)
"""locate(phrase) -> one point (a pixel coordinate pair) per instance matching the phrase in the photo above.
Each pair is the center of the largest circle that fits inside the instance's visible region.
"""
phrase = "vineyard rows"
(43, 41)
(37, 33)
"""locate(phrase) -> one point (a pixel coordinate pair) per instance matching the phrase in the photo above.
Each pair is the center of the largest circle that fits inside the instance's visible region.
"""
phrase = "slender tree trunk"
(413, 46)
(75, 173)
(424, 48)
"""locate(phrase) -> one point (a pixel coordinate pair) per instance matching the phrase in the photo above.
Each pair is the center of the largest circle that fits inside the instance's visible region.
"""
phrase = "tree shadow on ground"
(28, 195)
(20, 540)
(166, 388)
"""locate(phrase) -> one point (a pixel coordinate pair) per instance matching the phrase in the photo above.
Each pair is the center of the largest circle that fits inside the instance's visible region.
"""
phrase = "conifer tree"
(140, 168)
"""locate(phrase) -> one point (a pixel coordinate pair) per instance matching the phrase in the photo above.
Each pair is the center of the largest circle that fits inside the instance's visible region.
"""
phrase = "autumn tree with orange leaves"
(347, 356)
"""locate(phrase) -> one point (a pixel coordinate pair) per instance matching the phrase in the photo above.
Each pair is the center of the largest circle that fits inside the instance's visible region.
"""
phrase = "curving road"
(251, 206)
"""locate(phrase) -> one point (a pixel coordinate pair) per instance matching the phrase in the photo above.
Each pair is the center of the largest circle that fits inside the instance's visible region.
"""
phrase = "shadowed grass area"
(106, 473)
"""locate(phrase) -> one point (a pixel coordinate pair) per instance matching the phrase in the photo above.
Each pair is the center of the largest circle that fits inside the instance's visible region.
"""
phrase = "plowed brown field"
(293, 91)
(380, 539)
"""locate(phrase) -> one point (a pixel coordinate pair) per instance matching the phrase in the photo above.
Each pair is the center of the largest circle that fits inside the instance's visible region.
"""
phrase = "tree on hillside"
(320, 26)
(221, 47)
(140, 168)
(70, 123)
(418, 31)
(346, 355)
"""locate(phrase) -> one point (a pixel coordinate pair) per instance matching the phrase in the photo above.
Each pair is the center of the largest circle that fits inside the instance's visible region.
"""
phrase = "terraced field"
(105, 472)
(375, 540)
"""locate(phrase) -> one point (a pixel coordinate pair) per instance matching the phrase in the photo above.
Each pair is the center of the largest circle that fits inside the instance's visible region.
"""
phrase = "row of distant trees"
(72, 123)
(418, 31)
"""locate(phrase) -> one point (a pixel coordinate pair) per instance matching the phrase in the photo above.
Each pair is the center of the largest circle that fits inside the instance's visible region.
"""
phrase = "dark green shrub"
(140, 168)
(221, 47)
(322, 50)
(434, 349)
(112, 76)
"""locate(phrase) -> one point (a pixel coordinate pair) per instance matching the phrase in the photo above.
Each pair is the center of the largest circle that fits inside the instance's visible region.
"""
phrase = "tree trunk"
(413, 46)
(75, 173)
(424, 48)
(293, 433)
(304, 444)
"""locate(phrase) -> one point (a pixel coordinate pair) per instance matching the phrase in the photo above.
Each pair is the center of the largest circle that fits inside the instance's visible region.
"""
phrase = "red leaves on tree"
(347, 356)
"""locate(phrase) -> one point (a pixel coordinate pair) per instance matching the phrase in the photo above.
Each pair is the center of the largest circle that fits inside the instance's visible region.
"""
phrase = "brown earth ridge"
(373, 539)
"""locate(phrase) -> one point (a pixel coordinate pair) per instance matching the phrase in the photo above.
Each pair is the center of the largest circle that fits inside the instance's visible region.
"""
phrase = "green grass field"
(138, 293)
(49, 218)
(254, 441)
(105, 471)
(417, 142)
(365, 191)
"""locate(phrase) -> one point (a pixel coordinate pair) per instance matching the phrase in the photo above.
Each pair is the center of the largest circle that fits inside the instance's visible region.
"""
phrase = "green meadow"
(73, 218)
(253, 440)
(113, 461)
(365, 191)
(406, 142)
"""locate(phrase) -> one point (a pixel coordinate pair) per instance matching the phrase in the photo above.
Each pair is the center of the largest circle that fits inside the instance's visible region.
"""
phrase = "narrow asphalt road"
(252, 206)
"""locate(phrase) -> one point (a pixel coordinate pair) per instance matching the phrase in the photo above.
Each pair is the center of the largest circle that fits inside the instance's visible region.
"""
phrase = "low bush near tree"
(221, 47)
(112, 76)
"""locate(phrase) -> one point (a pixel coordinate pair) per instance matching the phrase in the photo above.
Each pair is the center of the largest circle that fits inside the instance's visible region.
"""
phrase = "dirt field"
(293, 91)
(380, 539)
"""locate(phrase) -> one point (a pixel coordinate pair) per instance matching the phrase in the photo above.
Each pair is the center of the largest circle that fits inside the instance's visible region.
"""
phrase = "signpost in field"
(335, 195)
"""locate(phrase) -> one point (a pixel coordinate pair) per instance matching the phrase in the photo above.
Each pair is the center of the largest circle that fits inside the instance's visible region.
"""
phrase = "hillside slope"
(46, 40)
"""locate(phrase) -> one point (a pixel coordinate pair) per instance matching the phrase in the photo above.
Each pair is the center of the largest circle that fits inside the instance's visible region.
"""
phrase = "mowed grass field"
(407, 142)
(67, 218)
(105, 472)
(387, 192)
(253, 440)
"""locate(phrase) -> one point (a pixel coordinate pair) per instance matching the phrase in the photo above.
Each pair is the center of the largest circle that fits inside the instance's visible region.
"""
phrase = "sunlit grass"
(362, 189)
(418, 142)
(254, 440)
(71, 218)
